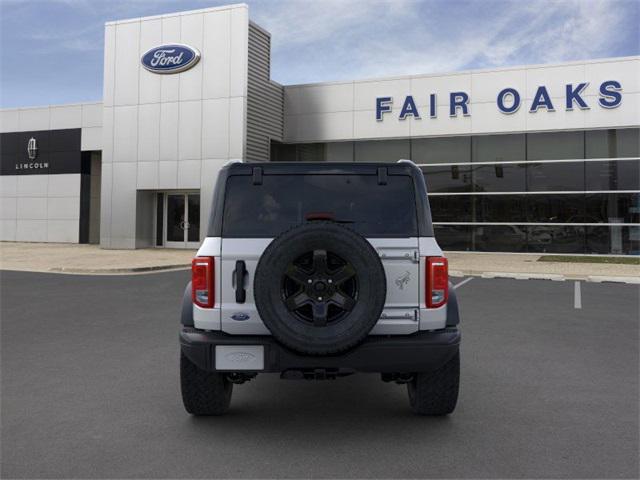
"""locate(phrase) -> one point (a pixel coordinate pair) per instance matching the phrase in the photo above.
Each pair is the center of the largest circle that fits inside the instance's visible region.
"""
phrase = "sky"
(51, 51)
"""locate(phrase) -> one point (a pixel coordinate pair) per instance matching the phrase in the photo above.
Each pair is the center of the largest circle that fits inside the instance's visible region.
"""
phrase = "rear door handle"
(238, 275)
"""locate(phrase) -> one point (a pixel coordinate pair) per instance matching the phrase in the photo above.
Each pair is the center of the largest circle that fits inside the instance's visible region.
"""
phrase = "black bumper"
(419, 352)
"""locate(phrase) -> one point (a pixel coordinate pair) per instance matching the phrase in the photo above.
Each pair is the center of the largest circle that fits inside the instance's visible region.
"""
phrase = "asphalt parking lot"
(90, 389)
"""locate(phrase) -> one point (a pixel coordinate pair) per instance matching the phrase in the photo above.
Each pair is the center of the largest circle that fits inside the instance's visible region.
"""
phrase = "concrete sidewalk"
(90, 259)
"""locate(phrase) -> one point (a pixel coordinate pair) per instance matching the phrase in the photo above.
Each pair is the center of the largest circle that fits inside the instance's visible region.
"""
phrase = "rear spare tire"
(320, 288)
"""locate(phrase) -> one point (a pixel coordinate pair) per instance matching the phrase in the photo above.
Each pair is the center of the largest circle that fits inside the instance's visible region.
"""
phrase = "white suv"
(315, 271)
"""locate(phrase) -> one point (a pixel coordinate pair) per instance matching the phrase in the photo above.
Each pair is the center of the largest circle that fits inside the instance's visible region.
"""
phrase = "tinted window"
(500, 208)
(500, 238)
(382, 150)
(542, 177)
(499, 178)
(499, 148)
(613, 208)
(613, 175)
(612, 143)
(447, 178)
(451, 208)
(556, 208)
(284, 201)
(556, 239)
(441, 150)
(555, 145)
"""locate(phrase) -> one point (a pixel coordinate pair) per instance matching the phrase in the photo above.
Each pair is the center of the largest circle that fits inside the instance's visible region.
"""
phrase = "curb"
(154, 268)
(546, 276)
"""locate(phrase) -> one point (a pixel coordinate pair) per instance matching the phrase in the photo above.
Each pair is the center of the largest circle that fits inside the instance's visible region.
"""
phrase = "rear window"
(284, 201)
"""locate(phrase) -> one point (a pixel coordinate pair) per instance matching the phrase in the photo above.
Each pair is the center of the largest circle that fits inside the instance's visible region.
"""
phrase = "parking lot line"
(459, 284)
(577, 295)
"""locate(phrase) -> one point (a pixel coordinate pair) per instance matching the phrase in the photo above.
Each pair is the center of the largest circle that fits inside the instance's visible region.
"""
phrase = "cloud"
(358, 39)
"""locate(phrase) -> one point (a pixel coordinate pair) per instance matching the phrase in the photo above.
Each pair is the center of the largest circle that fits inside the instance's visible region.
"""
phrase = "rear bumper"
(419, 352)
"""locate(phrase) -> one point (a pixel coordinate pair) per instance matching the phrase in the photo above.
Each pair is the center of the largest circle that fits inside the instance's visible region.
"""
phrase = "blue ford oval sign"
(173, 58)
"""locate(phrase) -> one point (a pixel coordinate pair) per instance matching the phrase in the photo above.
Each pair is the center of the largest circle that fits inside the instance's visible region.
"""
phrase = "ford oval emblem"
(173, 58)
(240, 316)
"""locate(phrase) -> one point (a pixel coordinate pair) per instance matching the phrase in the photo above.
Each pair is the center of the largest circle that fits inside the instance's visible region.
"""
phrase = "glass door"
(182, 220)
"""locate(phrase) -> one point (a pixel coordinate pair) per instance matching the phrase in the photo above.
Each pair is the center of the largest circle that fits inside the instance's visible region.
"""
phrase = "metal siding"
(265, 100)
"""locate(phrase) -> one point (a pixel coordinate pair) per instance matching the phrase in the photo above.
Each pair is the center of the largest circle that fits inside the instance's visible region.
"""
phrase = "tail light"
(437, 281)
(202, 283)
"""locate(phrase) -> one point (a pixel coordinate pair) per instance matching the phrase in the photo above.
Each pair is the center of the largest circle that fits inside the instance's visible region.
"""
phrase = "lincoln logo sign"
(508, 101)
(172, 58)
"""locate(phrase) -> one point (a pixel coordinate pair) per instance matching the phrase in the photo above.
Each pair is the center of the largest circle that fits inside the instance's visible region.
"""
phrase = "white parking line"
(577, 295)
(459, 284)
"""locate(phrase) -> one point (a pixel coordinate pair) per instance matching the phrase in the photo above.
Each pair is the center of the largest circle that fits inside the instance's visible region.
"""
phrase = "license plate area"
(239, 357)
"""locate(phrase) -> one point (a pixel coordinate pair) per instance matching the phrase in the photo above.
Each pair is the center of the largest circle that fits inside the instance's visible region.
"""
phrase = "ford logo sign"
(240, 316)
(173, 58)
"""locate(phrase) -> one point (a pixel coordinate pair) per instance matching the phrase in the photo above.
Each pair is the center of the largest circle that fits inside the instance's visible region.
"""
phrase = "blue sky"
(51, 50)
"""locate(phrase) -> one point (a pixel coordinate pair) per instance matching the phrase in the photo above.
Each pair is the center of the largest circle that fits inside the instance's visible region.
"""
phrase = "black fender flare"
(453, 312)
(186, 316)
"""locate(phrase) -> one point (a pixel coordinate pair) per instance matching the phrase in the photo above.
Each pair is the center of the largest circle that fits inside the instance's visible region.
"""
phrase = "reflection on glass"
(613, 240)
(556, 208)
(175, 218)
(448, 208)
(193, 234)
(453, 237)
(556, 239)
(500, 238)
(543, 177)
(448, 178)
(613, 207)
(499, 178)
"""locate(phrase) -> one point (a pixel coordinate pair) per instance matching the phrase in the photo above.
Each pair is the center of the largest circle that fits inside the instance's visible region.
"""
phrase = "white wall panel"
(65, 116)
(8, 230)
(8, 185)
(191, 34)
(422, 86)
(329, 98)
(9, 120)
(127, 63)
(189, 173)
(31, 208)
(626, 72)
(237, 127)
(34, 119)
(149, 132)
(169, 131)
(91, 115)
(63, 231)
(170, 84)
(31, 230)
(365, 93)
(91, 138)
(64, 185)
(149, 83)
(168, 174)
(125, 134)
(554, 78)
(215, 128)
(485, 86)
(8, 208)
(63, 208)
(109, 68)
(32, 185)
(216, 58)
(190, 130)
(147, 175)
(239, 52)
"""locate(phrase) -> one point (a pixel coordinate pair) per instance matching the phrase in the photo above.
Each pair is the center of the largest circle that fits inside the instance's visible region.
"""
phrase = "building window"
(441, 150)
(382, 150)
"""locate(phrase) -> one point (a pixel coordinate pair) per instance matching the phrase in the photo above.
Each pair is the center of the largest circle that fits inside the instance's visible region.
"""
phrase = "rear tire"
(436, 393)
(203, 392)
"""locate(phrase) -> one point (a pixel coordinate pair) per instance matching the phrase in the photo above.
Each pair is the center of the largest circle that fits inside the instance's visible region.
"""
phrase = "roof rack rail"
(405, 160)
(232, 161)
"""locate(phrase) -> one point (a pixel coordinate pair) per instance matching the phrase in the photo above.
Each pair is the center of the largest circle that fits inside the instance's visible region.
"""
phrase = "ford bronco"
(318, 271)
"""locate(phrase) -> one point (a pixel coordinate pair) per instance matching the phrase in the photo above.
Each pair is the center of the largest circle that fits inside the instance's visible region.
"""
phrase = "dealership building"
(541, 158)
